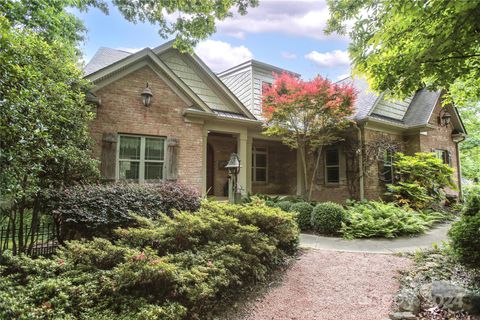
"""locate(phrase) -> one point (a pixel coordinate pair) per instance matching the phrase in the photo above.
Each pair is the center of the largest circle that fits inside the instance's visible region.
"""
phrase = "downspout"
(360, 162)
(459, 167)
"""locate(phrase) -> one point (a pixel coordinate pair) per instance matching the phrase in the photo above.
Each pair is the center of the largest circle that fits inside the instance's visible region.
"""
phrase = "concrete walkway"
(402, 244)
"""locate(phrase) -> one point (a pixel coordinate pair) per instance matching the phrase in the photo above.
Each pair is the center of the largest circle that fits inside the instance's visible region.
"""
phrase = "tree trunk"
(301, 147)
(312, 180)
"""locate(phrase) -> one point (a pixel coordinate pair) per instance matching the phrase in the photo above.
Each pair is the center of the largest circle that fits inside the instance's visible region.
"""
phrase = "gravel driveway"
(332, 285)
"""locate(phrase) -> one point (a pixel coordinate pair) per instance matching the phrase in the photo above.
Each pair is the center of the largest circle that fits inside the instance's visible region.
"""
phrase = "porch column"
(248, 166)
(204, 161)
(300, 177)
(243, 155)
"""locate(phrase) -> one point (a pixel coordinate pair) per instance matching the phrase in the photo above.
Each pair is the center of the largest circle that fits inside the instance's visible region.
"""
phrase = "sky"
(285, 33)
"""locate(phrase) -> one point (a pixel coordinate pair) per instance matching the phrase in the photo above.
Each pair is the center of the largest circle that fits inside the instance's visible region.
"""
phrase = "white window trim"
(142, 161)
(388, 154)
(255, 151)
(439, 154)
(332, 166)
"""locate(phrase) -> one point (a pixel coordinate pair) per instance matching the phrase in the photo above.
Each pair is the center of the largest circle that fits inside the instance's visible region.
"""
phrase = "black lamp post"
(147, 96)
(233, 168)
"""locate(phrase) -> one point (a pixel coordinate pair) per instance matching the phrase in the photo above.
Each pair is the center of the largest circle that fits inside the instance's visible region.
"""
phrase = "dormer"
(246, 81)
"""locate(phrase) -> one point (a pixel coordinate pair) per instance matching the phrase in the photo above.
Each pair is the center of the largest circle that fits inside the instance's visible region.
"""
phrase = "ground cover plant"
(380, 219)
(177, 267)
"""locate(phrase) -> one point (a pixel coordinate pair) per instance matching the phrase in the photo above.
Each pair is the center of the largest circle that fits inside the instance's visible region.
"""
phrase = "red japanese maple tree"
(307, 115)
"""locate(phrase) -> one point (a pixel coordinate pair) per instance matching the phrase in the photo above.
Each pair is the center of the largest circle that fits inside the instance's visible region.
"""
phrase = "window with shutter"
(141, 158)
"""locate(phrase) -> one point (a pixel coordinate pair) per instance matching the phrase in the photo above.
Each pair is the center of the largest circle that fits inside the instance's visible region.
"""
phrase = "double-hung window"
(259, 164)
(332, 165)
(387, 170)
(444, 155)
(141, 158)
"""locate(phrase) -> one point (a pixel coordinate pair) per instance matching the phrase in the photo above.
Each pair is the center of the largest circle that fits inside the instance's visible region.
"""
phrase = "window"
(444, 155)
(259, 164)
(141, 158)
(265, 85)
(332, 165)
(386, 175)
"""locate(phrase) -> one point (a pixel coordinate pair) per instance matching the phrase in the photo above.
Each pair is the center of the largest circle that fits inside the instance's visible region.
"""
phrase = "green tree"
(307, 116)
(470, 148)
(402, 46)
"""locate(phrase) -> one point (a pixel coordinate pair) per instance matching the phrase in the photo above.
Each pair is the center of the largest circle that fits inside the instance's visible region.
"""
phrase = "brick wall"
(282, 169)
(122, 111)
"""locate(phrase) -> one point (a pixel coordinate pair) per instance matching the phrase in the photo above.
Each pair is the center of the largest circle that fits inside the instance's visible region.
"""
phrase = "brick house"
(196, 119)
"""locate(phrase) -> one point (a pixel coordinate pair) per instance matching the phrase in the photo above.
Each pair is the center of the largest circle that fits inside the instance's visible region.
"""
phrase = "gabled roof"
(108, 60)
(255, 63)
(104, 57)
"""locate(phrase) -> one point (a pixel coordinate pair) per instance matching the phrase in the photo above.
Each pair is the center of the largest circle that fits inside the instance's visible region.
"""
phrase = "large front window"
(141, 158)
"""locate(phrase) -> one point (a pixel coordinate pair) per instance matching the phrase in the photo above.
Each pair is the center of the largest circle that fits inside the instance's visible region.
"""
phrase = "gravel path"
(329, 285)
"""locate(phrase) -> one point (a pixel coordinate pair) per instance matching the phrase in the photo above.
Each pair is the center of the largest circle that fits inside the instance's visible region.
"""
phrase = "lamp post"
(233, 168)
(445, 118)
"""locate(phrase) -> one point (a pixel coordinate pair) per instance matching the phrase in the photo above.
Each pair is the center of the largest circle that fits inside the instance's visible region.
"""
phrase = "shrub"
(95, 210)
(420, 179)
(304, 214)
(285, 205)
(178, 267)
(379, 219)
(327, 217)
(465, 234)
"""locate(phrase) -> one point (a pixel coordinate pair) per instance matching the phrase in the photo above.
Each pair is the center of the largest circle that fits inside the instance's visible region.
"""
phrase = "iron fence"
(41, 240)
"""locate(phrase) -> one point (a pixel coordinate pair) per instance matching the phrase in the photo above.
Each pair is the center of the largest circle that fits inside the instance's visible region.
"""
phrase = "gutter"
(461, 138)
(214, 116)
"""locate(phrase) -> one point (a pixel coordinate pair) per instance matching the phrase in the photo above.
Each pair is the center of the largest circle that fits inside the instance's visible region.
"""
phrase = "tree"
(307, 115)
(189, 21)
(470, 148)
(402, 46)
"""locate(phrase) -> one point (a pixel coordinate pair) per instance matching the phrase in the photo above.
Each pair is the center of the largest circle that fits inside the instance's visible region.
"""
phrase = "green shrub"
(327, 217)
(420, 180)
(465, 234)
(178, 267)
(285, 205)
(379, 219)
(95, 210)
(304, 214)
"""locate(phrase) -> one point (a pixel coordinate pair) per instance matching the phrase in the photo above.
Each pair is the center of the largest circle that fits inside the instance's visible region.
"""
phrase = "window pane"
(153, 170)
(332, 157)
(129, 170)
(154, 149)
(261, 175)
(333, 175)
(261, 160)
(130, 148)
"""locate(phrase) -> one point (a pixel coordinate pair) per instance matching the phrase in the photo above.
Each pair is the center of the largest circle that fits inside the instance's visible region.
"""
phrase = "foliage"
(43, 119)
(178, 268)
(379, 219)
(96, 210)
(327, 217)
(470, 148)
(304, 214)
(307, 115)
(420, 179)
(465, 234)
(285, 205)
(402, 46)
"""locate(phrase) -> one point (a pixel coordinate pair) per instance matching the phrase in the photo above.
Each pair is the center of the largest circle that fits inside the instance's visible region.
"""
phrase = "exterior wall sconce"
(147, 96)
(444, 118)
(233, 168)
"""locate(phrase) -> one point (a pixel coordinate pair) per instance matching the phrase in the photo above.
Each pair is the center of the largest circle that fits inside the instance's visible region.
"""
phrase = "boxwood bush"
(96, 210)
(304, 214)
(327, 217)
(178, 267)
(285, 205)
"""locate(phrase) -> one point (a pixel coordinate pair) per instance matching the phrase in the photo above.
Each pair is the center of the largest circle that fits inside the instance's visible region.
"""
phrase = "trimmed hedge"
(285, 205)
(327, 217)
(304, 214)
(96, 210)
(177, 268)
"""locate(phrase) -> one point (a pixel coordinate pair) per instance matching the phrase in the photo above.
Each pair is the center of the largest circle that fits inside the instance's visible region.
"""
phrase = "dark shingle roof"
(366, 98)
(421, 107)
(104, 57)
